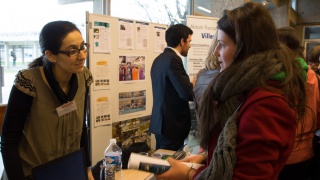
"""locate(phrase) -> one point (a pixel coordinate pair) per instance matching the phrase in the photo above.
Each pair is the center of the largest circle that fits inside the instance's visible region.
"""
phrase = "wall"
(308, 11)
(279, 10)
(280, 14)
(217, 6)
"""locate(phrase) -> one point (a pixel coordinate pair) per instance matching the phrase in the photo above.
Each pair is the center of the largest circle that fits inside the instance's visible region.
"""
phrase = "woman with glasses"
(45, 116)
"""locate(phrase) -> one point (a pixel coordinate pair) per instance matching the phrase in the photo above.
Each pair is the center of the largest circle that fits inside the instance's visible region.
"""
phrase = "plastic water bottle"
(112, 156)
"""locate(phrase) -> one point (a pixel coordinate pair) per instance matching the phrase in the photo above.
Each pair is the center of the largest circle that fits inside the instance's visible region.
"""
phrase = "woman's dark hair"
(175, 33)
(51, 37)
(253, 30)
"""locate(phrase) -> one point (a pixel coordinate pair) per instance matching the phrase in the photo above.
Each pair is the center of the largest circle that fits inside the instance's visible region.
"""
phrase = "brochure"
(154, 165)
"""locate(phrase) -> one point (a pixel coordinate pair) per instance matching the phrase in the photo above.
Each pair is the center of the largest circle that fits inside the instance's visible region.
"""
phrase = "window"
(310, 44)
(21, 22)
(294, 4)
(311, 37)
(312, 32)
(156, 11)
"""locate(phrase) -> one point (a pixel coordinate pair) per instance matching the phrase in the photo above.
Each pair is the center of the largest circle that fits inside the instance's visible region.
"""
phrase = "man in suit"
(172, 91)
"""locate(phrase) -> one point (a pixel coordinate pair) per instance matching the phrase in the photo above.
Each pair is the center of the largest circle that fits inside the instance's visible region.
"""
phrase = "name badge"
(66, 108)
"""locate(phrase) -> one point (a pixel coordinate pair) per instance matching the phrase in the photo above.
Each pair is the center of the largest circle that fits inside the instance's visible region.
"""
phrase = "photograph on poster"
(102, 108)
(130, 102)
(101, 75)
(132, 131)
(131, 68)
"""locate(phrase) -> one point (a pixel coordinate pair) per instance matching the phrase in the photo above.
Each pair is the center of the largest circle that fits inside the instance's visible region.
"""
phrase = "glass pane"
(21, 22)
(310, 45)
(312, 32)
(294, 4)
(156, 11)
(202, 7)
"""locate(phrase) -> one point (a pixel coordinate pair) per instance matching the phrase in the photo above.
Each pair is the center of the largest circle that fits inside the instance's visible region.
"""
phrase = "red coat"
(266, 131)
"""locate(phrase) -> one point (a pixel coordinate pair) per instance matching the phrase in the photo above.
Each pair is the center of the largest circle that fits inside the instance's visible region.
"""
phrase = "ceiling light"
(204, 9)
(265, 2)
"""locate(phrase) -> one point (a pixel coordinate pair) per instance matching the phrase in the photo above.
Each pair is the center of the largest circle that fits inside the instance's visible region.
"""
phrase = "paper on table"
(154, 165)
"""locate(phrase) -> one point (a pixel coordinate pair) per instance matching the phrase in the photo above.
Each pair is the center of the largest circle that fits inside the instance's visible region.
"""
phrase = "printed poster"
(101, 37)
(101, 108)
(125, 34)
(204, 29)
(101, 75)
(142, 36)
(159, 39)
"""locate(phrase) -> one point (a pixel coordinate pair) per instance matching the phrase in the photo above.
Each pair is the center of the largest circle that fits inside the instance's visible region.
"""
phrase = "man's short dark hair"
(176, 32)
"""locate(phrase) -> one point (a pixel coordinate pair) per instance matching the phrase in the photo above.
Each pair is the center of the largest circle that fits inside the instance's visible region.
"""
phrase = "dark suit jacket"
(172, 91)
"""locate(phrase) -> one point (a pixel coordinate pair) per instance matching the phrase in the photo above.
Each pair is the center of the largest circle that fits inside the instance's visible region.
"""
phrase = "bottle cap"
(113, 141)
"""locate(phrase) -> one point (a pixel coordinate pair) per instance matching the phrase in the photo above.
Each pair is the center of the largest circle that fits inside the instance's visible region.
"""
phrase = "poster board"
(120, 56)
(204, 29)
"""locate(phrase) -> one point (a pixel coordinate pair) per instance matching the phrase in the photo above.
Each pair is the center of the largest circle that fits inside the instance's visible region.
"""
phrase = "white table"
(132, 174)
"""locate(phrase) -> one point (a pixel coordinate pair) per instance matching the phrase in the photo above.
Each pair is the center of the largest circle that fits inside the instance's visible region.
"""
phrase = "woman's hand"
(177, 171)
(199, 159)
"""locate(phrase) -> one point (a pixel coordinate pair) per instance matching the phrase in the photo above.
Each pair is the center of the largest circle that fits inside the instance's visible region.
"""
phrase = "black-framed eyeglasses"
(75, 52)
